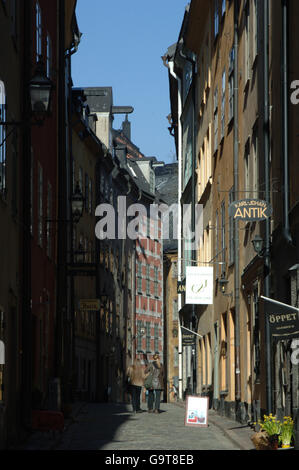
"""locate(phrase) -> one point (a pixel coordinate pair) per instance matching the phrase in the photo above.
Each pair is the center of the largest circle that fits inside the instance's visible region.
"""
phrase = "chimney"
(126, 128)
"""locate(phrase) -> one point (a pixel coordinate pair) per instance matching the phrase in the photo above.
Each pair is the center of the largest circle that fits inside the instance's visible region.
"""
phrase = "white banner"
(199, 285)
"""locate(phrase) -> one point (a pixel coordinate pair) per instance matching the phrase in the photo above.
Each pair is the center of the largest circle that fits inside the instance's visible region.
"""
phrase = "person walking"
(154, 384)
(136, 376)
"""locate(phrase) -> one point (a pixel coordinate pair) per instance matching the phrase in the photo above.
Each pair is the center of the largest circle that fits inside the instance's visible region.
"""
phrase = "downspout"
(267, 198)
(285, 121)
(236, 192)
(177, 78)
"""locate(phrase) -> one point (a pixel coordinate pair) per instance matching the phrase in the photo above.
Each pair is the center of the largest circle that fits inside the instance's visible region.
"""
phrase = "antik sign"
(199, 285)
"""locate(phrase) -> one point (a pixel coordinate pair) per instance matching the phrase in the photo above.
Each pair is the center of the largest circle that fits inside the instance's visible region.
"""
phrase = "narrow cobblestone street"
(107, 426)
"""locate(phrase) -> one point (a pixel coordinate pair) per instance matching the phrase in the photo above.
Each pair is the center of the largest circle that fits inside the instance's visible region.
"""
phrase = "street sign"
(89, 304)
(283, 319)
(250, 210)
(188, 338)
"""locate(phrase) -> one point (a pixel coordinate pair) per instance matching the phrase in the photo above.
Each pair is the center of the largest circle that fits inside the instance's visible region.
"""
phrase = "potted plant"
(286, 432)
(272, 426)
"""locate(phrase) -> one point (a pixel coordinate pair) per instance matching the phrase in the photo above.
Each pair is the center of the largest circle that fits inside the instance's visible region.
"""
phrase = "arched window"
(2, 138)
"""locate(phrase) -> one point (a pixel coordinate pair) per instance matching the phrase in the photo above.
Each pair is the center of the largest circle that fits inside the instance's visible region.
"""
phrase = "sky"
(121, 46)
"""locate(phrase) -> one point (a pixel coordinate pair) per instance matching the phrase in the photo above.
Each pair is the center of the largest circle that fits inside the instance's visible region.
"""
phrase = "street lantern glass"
(77, 204)
(40, 87)
(223, 283)
(258, 243)
(80, 254)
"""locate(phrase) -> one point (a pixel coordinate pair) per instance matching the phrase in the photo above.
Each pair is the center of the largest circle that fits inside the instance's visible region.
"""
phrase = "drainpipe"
(177, 78)
(285, 122)
(236, 192)
(267, 198)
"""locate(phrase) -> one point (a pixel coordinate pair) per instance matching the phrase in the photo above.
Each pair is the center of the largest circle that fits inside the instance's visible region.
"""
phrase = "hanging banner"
(199, 285)
(283, 319)
(188, 338)
(250, 210)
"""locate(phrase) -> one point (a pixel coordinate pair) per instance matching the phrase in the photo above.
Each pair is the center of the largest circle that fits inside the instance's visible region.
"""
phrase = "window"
(216, 243)
(139, 338)
(247, 170)
(223, 104)
(81, 179)
(139, 276)
(49, 216)
(90, 196)
(40, 205)
(223, 7)
(216, 18)
(255, 17)
(86, 192)
(216, 119)
(247, 44)
(148, 280)
(2, 139)
(13, 18)
(231, 90)
(49, 56)
(223, 236)
(175, 311)
(38, 31)
(148, 336)
(255, 164)
(175, 356)
(231, 254)
(156, 338)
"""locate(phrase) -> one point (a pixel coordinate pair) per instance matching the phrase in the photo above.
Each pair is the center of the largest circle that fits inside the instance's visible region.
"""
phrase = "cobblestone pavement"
(114, 427)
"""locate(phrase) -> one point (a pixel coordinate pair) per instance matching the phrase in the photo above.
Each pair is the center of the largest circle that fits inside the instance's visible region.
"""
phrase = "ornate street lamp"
(258, 244)
(40, 87)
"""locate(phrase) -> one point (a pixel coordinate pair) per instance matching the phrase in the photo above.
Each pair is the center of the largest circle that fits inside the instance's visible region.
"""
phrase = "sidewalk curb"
(228, 433)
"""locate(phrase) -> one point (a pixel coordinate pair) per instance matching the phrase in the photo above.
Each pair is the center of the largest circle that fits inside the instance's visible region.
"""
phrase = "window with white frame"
(148, 282)
(139, 276)
(156, 281)
(255, 163)
(38, 31)
(216, 243)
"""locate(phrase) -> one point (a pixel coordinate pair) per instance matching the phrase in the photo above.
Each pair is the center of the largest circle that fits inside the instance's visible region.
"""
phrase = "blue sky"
(121, 46)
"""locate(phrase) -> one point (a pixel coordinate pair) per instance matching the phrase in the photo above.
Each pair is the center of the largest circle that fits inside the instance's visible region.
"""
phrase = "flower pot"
(274, 443)
(285, 446)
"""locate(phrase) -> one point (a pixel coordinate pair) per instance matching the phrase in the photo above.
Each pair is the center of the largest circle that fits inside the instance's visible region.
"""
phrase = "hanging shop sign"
(89, 304)
(181, 287)
(283, 319)
(250, 210)
(188, 338)
(199, 285)
(196, 413)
